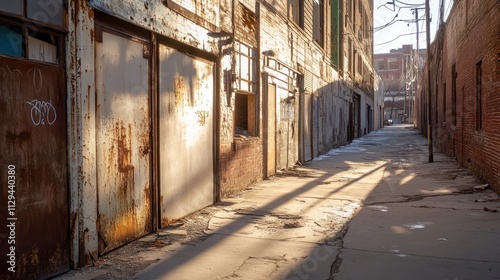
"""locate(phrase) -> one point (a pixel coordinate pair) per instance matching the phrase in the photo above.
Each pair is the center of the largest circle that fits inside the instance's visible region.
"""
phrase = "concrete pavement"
(374, 209)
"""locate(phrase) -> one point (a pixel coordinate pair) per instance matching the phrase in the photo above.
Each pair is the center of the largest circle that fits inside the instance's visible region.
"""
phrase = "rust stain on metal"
(39, 156)
(13, 138)
(202, 117)
(167, 221)
(144, 139)
(179, 90)
(124, 147)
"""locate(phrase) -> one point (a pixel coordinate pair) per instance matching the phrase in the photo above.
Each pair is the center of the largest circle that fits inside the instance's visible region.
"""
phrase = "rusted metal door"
(271, 129)
(186, 134)
(123, 141)
(34, 237)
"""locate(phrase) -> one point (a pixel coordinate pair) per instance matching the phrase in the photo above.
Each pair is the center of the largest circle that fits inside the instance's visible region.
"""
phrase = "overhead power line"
(410, 4)
(407, 34)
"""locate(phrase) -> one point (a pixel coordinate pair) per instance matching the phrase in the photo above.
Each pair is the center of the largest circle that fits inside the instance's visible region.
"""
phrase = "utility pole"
(429, 98)
(418, 64)
(404, 83)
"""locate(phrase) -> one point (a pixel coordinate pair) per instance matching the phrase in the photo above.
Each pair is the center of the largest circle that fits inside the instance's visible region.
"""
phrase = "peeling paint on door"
(123, 154)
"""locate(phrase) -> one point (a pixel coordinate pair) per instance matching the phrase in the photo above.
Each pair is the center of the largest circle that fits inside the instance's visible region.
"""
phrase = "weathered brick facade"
(465, 88)
(323, 82)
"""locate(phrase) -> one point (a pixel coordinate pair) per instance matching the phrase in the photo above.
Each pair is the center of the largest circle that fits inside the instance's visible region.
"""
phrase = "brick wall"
(471, 35)
(241, 165)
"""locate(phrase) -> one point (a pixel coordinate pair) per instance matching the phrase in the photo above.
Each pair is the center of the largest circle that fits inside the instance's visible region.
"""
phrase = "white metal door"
(186, 134)
(123, 141)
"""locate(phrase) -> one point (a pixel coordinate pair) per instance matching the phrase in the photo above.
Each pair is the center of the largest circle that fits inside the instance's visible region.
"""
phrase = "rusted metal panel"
(81, 138)
(34, 237)
(185, 133)
(123, 141)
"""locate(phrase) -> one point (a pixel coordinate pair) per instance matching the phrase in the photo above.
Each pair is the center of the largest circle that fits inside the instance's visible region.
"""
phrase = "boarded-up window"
(43, 47)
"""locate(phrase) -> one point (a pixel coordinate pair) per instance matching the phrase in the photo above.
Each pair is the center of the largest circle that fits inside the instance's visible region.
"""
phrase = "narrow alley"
(374, 209)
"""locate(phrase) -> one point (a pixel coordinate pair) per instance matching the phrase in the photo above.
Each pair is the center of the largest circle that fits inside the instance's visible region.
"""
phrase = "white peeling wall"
(156, 16)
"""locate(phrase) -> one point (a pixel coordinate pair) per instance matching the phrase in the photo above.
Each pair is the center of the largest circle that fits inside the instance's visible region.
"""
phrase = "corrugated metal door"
(123, 141)
(33, 170)
(186, 134)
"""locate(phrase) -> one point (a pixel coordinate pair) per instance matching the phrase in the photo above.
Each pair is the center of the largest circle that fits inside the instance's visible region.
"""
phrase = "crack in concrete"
(272, 260)
(335, 268)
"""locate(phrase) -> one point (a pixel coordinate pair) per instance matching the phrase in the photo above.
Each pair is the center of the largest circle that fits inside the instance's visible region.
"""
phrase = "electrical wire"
(407, 34)
(380, 28)
(410, 4)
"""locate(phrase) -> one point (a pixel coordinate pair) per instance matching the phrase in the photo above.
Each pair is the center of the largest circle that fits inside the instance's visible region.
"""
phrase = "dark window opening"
(245, 115)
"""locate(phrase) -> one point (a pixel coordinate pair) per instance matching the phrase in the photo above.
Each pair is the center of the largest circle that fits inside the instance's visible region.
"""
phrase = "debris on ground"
(481, 187)
(490, 210)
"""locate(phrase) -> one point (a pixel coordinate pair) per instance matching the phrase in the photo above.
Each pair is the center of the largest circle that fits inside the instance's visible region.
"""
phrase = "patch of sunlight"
(437, 191)
(399, 230)
(407, 179)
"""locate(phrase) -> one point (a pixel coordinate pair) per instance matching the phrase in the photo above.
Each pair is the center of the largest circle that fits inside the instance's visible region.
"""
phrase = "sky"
(387, 37)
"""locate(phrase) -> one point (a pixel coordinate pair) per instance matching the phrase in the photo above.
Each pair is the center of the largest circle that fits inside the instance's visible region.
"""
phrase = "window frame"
(319, 22)
(296, 15)
(33, 17)
(246, 87)
(31, 34)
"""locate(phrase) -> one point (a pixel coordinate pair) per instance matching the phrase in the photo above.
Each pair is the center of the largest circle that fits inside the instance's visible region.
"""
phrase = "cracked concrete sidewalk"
(374, 209)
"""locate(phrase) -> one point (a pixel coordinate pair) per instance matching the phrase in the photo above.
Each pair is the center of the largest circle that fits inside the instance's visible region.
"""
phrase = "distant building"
(398, 71)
